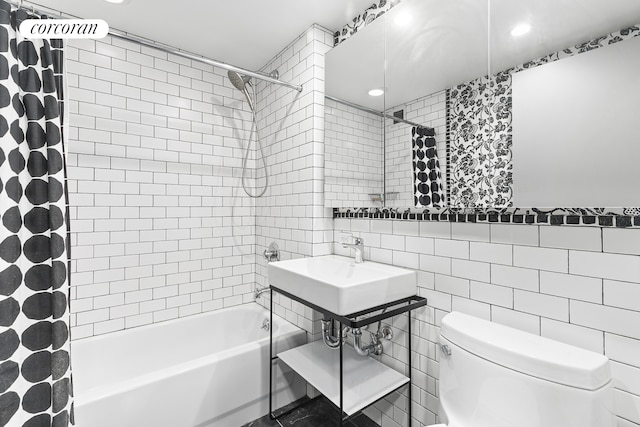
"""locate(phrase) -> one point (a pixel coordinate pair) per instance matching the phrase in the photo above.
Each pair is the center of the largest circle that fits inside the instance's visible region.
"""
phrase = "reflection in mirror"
(431, 46)
(547, 81)
(354, 131)
(525, 35)
(415, 158)
(437, 77)
(589, 105)
(354, 156)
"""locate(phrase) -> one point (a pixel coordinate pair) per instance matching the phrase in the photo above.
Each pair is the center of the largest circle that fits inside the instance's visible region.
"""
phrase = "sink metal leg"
(271, 354)
(341, 379)
(410, 381)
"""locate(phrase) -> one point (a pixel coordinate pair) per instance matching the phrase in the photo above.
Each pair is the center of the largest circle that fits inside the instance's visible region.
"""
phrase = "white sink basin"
(339, 285)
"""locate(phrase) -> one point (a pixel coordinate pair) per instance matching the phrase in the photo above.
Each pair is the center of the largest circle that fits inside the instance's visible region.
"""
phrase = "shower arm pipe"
(39, 10)
(377, 113)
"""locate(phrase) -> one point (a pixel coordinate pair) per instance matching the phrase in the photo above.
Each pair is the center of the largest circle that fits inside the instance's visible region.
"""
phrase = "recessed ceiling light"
(402, 19)
(376, 92)
(520, 30)
(115, 1)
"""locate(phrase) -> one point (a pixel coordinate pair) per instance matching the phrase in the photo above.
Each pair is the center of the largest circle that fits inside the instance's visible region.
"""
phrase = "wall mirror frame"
(470, 109)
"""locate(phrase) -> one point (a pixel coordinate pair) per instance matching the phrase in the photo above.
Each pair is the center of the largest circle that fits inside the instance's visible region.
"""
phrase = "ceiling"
(244, 33)
(455, 43)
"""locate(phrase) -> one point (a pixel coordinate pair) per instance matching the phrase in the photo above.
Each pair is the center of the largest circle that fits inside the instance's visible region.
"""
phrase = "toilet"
(495, 376)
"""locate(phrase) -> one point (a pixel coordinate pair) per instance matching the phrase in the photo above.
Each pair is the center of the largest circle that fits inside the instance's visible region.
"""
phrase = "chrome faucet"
(260, 291)
(358, 246)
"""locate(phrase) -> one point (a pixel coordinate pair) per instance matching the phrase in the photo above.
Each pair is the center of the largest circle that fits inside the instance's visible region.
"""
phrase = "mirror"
(420, 48)
(354, 127)
(527, 37)
(446, 45)
(431, 45)
(594, 154)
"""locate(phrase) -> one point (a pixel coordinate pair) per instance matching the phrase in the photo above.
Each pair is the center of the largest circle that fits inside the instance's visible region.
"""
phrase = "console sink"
(339, 285)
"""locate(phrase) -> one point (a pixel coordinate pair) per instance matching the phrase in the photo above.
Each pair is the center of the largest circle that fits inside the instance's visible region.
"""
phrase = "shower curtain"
(35, 373)
(427, 180)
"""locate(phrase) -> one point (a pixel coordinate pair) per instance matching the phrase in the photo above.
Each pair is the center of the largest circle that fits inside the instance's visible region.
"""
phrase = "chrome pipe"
(331, 341)
(357, 344)
(374, 347)
(260, 291)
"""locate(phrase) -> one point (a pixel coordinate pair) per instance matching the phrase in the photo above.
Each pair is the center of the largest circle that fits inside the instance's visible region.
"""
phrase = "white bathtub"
(205, 370)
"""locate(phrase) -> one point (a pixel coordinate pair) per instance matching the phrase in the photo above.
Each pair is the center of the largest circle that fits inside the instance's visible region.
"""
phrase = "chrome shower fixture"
(243, 83)
(240, 81)
(259, 291)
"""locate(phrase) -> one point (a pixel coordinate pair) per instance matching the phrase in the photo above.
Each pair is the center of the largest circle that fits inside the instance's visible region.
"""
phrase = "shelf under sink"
(365, 379)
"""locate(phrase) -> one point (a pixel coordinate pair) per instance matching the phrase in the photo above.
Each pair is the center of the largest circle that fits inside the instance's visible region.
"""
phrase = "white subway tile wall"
(354, 154)
(160, 228)
(292, 213)
(569, 290)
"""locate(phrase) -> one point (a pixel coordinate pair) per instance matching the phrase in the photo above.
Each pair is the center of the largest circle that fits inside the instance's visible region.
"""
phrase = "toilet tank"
(496, 376)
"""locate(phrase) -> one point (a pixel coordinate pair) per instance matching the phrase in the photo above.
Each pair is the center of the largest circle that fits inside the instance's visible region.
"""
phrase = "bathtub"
(204, 370)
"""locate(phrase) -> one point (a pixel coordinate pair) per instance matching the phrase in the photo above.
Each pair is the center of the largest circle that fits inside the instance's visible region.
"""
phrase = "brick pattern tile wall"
(578, 285)
(160, 227)
(292, 212)
(353, 155)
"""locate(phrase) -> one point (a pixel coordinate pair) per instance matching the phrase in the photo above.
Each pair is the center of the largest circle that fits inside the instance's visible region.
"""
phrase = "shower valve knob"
(272, 253)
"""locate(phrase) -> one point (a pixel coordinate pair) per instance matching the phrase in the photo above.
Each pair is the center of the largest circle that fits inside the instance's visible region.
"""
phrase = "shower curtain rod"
(194, 57)
(377, 113)
(162, 47)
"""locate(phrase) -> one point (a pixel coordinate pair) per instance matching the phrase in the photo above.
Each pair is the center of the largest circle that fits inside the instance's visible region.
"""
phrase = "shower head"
(238, 80)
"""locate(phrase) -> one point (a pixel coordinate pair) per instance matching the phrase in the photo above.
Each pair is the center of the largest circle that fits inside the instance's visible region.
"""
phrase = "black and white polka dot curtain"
(427, 180)
(35, 374)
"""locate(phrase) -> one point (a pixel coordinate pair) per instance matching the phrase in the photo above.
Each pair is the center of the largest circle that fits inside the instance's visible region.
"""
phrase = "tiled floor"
(317, 412)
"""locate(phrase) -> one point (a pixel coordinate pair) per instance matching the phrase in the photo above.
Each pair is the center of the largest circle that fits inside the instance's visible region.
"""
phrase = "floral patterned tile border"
(621, 218)
(377, 9)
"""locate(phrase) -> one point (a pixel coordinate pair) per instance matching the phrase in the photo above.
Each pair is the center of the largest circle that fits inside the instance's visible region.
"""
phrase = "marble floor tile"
(318, 412)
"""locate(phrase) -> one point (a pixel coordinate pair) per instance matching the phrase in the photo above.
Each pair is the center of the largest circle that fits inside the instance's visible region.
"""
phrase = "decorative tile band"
(531, 216)
(359, 22)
